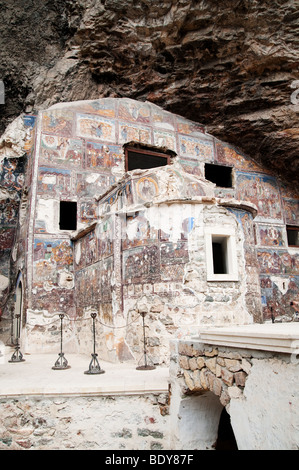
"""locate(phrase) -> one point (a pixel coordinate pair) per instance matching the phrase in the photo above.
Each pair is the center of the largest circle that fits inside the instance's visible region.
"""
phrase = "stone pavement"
(35, 376)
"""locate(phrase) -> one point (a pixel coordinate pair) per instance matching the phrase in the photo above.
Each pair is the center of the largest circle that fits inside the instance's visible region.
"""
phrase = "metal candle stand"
(61, 362)
(94, 366)
(17, 355)
(146, 366)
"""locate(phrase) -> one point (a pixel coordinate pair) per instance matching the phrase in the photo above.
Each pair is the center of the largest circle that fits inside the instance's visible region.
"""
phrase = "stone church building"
(131, 212)
(125, 206)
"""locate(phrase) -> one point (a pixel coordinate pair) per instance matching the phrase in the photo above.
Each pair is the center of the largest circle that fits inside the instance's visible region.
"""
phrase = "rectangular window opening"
(219, 174)
(219, 249)
(68, 215)
(145, 159)
(293, 235)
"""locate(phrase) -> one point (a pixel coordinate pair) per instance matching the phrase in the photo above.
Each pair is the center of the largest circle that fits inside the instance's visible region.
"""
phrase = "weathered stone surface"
(217, 386)
(240, 378)
(184, 362)
(246, 366)
(190, 348)
(211, 364)
(200, 362)
(236, 73)
(188, 380)
(82, 423)
(212, 352)
(233, 365)
(204, 379)
(227, 377)
(234, 392)
(224, 397)
(193, 363)
(196, 380)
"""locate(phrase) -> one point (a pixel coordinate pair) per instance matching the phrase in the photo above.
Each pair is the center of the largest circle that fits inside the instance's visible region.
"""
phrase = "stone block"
(218, 370)
(240, 378)
(184, 362)
(204, 379)
(230, 354)
(196, 380)
(220, 361)
(200, 362)
(227, 377)
(190, 349)
(224, 397)
(211, 364)
(211, 377)
(188, 380)
(193, 363)
(217, 386)
(233, 365)
(211, 353)
(246, 366)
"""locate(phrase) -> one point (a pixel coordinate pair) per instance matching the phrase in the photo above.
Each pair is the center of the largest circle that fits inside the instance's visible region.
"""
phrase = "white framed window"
(221, 254)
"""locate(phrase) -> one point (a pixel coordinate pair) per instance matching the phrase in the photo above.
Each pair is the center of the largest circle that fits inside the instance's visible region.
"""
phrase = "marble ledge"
(274, 337)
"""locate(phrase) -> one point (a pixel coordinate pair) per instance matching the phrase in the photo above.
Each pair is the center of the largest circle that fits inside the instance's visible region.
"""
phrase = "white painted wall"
(267, 417)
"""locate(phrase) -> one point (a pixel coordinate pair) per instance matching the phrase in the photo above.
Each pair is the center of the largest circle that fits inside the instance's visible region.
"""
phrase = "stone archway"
(226, 438)
(194, 420)
(206, 379)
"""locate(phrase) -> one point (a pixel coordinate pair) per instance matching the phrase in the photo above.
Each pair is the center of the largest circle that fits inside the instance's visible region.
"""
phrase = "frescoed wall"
(78, 156)
(13, 179)
(151, 258)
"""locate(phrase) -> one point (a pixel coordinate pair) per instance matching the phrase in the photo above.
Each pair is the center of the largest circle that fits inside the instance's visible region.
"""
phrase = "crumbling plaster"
(75, 152)
(174, 226)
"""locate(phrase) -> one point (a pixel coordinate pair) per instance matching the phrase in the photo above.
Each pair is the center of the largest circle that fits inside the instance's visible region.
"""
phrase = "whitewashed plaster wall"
(267, 416)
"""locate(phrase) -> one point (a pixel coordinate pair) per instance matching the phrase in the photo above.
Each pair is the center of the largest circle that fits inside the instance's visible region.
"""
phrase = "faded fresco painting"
(58, 122)
(261, 190)
(100, 156)
(95, 127)
(62, 151)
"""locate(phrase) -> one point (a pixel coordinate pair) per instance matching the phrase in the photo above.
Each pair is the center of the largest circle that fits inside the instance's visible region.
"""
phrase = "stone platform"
(35, 376)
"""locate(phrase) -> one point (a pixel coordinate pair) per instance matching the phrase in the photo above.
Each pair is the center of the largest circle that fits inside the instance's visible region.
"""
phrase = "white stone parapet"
(275, 337)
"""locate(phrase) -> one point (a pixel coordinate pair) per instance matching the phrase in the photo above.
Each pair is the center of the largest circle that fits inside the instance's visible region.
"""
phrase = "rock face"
(230, 65)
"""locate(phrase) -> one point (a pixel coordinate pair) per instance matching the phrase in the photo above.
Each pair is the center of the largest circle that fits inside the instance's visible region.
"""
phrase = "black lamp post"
(146, 366)
(94, 366)
(61, 362)
(17, 355)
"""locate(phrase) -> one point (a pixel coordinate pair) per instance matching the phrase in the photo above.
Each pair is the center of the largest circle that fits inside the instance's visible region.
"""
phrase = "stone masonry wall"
(201, 367)
(84, 423)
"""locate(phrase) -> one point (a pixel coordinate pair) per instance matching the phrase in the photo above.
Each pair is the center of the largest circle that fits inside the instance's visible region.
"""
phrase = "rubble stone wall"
(84, 423)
